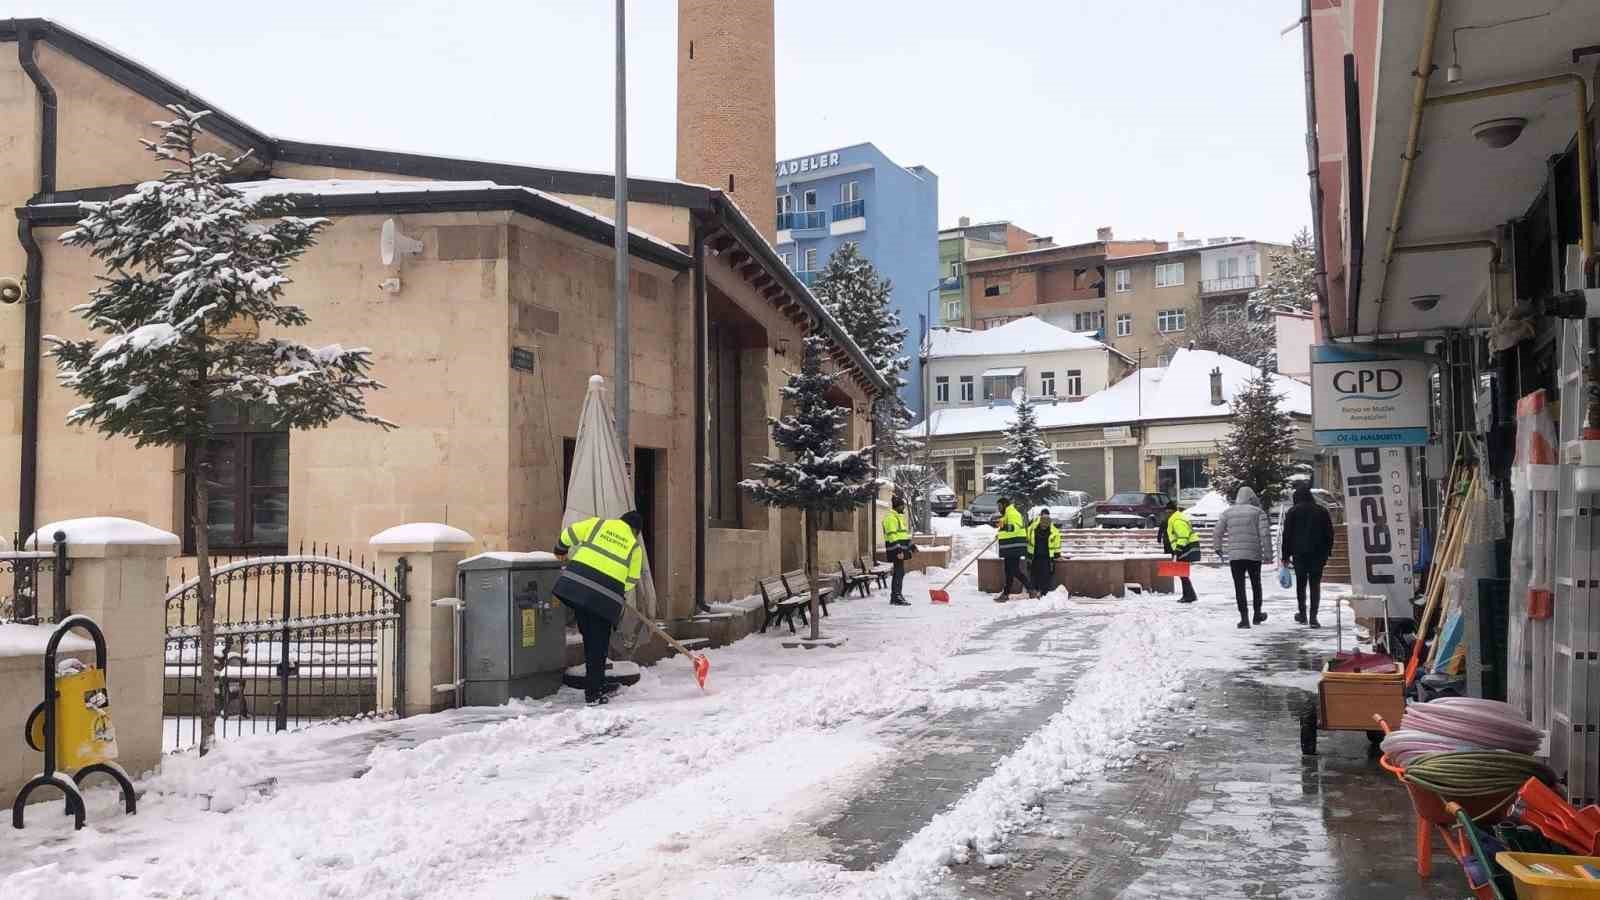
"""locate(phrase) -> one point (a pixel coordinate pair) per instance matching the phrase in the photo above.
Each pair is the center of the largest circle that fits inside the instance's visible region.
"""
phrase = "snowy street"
(941, 751)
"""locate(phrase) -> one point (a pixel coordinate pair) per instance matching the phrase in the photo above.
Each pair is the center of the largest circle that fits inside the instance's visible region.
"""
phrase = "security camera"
(1425, 302)
(10, 290)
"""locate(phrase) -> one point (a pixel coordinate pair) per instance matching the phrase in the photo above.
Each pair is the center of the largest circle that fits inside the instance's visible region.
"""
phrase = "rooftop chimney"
(1103, 233)
(1216, 386)
(964, 221)
(1180, 235)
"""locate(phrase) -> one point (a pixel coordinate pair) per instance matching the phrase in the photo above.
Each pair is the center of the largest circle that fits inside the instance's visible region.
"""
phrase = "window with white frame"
(1124, 280)
(952, 309)
(1228, 267)
(1166, 357)
(1124, 324)
(811, 199)
(998, 387)
(1089, 321)
(1251, 265)
(1074, 382)
(966, 389)
(941, 389)
(1230, 314)
(1047, 384)
(1170, 320)
(955, 268)
(850, 192)
(1169, 274)
(810, 261)
(788, 260)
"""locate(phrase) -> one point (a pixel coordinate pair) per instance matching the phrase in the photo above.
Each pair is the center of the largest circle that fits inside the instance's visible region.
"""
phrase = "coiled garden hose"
(1476, 773)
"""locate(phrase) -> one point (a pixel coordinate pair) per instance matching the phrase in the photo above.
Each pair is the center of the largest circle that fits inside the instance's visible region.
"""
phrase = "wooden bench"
(779, 604)
(880, 572)
(798, 586)
(860, 582)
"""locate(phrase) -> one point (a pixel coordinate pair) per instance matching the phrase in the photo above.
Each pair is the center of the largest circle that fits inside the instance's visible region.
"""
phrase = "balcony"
(853, 209)
(804, 220)
(1233, 284)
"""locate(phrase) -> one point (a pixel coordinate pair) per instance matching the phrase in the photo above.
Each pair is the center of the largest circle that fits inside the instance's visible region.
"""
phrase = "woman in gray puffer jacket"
(1244, 539)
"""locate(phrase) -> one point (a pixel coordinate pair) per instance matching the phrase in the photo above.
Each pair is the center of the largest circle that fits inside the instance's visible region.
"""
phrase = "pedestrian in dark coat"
(1307, 544)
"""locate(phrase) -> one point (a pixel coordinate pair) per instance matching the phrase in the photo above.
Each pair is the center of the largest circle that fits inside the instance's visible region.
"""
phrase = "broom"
(941, 594)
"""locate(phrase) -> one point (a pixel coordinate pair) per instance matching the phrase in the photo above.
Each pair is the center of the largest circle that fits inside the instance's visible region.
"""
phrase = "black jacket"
(1307, 532)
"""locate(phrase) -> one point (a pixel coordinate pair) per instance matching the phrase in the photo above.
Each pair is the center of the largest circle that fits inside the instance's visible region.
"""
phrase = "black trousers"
(897, 580)
(1044, 574)
(1014, 571)
(1241, 568)
(1308, 577)
(596, 631)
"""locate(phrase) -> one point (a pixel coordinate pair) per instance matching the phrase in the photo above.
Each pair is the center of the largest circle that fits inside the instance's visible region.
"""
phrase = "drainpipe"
(698, 289)
(1313, 164)
(28, 480)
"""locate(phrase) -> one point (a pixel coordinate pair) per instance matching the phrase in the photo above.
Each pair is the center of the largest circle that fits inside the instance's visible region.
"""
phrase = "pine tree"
(1248, 331)
(816, 473)
(1030, 475)
(1259, 450)
(194, 268)
(851, 291)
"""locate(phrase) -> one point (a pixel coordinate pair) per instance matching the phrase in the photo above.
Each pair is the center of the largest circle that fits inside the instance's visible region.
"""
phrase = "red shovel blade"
(1172, 569)
(702, 668)
(938, 596)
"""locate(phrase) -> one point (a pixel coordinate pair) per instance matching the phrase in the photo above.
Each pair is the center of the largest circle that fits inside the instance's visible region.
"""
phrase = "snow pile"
(30, 640)
(103, 530)
(433, 533)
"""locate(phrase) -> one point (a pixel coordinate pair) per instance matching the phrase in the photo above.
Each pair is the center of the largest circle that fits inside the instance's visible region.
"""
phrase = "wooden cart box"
(1348, 700)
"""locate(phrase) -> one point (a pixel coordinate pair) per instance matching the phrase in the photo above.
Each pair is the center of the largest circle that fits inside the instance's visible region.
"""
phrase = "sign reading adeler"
(1369, 397)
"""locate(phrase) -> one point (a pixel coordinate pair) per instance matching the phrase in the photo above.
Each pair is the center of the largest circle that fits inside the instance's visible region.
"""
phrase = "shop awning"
(1007, 372)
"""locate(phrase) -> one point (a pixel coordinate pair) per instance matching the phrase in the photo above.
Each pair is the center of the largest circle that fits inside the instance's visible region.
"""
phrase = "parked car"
(1130, 510)
(1189, 496)
(983, 509)
(1326, 498)
(942, 500)
(1066, 508)
(1206, 510)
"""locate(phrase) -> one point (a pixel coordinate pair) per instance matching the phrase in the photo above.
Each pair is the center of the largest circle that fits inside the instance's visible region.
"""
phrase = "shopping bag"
(1285, 577)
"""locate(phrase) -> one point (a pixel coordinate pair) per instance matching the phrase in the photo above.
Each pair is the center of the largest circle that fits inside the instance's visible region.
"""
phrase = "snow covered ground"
(666, 792)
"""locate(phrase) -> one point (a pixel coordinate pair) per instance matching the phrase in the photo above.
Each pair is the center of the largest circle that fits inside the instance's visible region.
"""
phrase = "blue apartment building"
(891, 211)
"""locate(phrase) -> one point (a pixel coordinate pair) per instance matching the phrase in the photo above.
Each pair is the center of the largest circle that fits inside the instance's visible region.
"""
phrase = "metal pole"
(622, 370)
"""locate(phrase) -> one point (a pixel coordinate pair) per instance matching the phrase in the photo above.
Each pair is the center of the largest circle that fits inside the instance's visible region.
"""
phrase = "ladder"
(1566, 646)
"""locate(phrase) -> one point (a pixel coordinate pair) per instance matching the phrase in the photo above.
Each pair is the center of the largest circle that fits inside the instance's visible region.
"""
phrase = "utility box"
(513, 627)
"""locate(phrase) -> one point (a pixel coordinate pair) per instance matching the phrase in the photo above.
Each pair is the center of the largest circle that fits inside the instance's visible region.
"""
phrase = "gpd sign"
(1367, 398)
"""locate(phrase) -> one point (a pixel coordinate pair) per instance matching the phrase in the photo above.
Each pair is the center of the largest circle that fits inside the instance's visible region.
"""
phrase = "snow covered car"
(1206, 510)
(1189, 496)
(1066, 508)
(942, 500)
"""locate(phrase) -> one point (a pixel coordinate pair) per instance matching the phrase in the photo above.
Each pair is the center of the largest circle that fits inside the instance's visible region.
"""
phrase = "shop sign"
(948, 452)
(1368, 398)
(1377, 506)
(1117, 432)
(1095, 442)
(808, 164)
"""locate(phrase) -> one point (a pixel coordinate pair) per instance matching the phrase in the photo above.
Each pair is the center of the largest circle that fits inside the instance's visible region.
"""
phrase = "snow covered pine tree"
(1030, 475)
(1259, 450)
(193, 269)
(817, 473)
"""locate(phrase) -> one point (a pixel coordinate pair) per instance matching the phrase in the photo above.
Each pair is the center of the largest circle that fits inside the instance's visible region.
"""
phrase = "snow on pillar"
(431, 551)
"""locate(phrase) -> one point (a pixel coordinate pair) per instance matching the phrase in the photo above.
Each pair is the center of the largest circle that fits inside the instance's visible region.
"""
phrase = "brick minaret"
(727, 135)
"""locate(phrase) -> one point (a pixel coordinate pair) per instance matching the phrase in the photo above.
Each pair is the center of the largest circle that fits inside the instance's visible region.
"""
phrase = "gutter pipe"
(28, 477)
(1313, 164)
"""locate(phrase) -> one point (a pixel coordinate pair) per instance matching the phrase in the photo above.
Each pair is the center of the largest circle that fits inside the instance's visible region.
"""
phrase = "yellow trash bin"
(84, 734)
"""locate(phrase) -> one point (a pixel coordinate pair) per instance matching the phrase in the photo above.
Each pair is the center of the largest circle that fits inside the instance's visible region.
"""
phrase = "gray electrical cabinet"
(513, 627)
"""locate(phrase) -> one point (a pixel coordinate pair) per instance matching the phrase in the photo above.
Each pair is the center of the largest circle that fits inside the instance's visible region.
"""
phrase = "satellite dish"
(1018, 396)
(394, 244)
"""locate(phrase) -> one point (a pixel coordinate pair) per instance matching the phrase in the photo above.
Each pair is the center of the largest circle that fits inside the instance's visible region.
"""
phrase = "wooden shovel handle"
(968, 564)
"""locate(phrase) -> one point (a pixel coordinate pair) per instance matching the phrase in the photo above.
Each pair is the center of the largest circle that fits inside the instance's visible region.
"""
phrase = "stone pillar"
(431, 551)
(119, 576)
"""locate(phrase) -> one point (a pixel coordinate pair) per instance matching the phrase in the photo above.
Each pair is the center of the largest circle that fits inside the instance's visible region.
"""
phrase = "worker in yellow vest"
(897, 546)
(1178, 536)
(1044, 545)
(606, 562)
(1013, 541)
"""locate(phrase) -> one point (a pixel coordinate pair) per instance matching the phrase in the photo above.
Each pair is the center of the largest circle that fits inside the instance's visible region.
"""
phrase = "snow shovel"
(702, 666)
(941, 594)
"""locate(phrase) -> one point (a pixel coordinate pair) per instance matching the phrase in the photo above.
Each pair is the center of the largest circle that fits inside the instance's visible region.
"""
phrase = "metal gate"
(300, 640)
(36, 592)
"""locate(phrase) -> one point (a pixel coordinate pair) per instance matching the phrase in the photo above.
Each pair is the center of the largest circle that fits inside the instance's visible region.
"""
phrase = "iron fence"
(300, 639)
(36, 591)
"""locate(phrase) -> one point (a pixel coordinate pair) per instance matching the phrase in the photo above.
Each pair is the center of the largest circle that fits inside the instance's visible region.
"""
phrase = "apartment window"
(952, 309)
(1228, 267)
(1170, 320)
(1047, 384)
(1251, 264)
(1074, 382)
(786, 203)
(955, 268)
(788, 260)
(992, 290)
(1169, 274)
(999, 387)
(1124, 280)
(1089, 321)
(1230, 314)
(248, 489)
(850, 192)
(725, 454)
(941, 389)
(1124, 325)
(966, 389)
(810, 261)
(1166, 357)
(811, 199)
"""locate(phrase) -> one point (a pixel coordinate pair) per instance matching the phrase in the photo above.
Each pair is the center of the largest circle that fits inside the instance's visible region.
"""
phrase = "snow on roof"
(1026, 335)
(1182, 390)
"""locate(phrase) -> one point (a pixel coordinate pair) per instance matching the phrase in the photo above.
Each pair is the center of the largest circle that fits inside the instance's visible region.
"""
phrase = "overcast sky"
(1151, 116)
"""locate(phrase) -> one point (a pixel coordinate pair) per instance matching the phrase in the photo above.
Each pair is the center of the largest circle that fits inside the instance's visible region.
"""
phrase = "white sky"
(1062, 115)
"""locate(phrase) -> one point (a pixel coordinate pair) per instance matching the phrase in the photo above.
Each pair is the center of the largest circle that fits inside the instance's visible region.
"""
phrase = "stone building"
(967, 241)
(485, 339)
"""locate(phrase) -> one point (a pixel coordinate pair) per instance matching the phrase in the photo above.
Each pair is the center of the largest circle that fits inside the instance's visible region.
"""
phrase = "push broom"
(942, 594)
